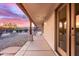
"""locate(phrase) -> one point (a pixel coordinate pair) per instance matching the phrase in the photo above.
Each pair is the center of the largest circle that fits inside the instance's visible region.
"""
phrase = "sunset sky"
(11, 13)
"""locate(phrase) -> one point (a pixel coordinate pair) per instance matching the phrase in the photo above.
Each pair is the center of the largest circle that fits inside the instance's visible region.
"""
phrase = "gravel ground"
(14, 39)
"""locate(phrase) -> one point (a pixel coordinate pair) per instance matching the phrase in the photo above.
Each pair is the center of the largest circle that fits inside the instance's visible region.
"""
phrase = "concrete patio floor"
(37, 47)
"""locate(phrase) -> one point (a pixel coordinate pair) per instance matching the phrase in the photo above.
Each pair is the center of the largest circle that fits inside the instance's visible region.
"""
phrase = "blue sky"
(8, 10)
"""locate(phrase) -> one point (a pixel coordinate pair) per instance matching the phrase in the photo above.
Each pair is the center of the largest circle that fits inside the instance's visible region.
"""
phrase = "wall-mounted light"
(60, 25)
(45, 23)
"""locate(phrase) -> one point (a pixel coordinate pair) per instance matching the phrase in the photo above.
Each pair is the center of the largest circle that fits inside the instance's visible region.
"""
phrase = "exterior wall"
(49, 30)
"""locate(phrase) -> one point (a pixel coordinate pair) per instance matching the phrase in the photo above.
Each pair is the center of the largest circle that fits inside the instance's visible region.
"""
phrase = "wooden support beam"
(20, 5)
(30, 27)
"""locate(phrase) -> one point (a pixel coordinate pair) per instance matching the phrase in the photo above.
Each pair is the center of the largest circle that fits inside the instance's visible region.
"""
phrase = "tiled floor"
(38, 47)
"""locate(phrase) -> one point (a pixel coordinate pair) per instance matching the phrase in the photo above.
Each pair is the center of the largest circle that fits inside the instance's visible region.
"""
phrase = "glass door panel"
(77, 29)
(63, 29)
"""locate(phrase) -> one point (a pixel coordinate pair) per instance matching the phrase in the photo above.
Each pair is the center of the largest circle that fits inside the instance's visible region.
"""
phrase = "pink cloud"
(19, 22)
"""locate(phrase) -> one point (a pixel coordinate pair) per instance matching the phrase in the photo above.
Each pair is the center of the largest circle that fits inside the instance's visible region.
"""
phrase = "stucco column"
(30, 27)
(31, 35)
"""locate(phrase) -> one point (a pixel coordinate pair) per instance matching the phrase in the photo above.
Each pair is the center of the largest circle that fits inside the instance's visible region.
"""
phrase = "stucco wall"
(49, 30)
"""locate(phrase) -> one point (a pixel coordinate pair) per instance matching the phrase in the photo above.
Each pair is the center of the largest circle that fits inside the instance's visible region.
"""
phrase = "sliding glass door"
(75, 30)
(68, 29)
(63, 29)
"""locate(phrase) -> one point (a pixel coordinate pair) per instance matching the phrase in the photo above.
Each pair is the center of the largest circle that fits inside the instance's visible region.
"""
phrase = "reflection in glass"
(77, 28)
(62, 28)
(60, 25)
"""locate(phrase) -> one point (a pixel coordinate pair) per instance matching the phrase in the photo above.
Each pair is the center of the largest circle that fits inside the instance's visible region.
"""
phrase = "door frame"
(68, 31)
(73, 29)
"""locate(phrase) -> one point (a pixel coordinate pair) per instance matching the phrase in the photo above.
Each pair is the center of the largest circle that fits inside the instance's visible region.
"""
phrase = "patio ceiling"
(39, 12)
